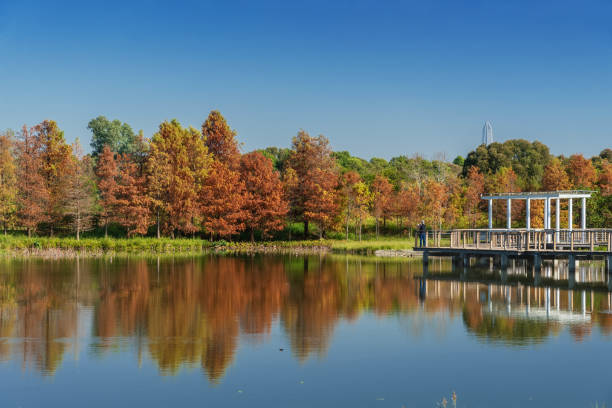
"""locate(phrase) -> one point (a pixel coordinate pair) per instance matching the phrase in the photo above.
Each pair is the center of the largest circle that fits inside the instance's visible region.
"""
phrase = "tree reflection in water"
(193, 311)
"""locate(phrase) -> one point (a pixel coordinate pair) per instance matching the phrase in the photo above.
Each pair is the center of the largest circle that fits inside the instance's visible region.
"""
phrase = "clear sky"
(378, 78)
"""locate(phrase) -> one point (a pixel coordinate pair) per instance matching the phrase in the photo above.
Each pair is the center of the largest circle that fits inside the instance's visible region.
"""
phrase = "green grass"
(21, 243)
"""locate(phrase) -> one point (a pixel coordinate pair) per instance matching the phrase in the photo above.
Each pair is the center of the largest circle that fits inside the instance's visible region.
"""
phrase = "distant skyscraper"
(487, 133)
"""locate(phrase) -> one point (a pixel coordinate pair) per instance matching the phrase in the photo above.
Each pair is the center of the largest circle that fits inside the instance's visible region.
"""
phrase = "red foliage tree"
(264, 203)
(313, 196)
(222, 200)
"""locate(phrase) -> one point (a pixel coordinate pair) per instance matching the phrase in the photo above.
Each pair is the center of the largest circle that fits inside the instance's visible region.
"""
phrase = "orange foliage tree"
(33, 193)
(177, 167)
(605, 179)
(132, 199)
(8, 180)
(435, 198)
(58, 166)
(221, 140)
(555, 177)
(264, 203)
(107, 173)
(581, 171)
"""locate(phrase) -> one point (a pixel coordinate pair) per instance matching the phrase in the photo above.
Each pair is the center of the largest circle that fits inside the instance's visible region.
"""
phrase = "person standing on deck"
(422, 231)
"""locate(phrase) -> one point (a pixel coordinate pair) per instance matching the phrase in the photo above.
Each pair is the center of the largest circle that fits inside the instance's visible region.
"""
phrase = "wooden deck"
(534, 244)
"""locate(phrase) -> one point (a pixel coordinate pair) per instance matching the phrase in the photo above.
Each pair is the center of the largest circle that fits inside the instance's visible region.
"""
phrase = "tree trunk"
(306, 229)
(158, 234)
(289, 230)
(320, 232)
(347, 226)
(29, 232)
(252, 235)
(377, 227)
(385, 223)
(106, 229)
(360, 229)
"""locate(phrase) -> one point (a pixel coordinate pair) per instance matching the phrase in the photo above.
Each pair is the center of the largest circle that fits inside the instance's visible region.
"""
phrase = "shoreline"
(58, 248)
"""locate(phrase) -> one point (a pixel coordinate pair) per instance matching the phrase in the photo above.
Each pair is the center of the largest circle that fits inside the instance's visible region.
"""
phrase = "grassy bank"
(34, 245)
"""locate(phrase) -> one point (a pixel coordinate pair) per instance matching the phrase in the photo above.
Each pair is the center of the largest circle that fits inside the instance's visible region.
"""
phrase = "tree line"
(195, 182)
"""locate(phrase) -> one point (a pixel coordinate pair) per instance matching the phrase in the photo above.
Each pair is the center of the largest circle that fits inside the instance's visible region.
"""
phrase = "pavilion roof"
(539, 195)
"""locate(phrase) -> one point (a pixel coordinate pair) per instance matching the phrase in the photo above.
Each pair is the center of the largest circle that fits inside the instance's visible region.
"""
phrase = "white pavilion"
(548, 197)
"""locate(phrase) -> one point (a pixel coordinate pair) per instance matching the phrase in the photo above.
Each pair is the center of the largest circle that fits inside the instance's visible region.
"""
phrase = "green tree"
(118, 136)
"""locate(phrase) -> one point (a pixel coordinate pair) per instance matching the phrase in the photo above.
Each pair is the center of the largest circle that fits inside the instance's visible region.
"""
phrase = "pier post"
(537, 262)
(503, 261)
(571, 264)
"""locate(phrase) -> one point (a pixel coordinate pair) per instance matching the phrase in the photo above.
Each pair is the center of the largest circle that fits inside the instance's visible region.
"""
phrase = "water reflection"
(194, 312)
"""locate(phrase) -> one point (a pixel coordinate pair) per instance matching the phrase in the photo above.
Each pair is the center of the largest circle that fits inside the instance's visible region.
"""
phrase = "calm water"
(272, 331)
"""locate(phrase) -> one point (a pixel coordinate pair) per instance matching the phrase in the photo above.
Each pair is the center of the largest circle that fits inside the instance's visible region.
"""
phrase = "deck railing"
(521, 239)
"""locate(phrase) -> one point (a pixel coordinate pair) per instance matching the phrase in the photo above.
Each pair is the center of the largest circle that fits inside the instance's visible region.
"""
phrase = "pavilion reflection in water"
(194, 312)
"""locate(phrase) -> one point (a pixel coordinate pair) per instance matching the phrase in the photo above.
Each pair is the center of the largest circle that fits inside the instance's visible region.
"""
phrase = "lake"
(302, 331)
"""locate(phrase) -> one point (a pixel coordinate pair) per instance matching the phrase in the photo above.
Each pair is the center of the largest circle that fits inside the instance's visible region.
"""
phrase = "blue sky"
(377, 78)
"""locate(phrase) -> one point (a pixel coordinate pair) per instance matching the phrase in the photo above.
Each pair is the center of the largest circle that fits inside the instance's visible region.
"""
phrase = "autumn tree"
(80, 203)
(224, 192)
(264, 200)
(313, 197)
(504, 181)
(131, 197)
(581, 172)
(381, 196)
(221, 140)
(407, 204)
(58, 166)
(434, 202)
(8, 180)
(475, 184)
(177, 168)
(107, 174)
(33, 194)
(223, 201)
(555, 177)
(605, 179)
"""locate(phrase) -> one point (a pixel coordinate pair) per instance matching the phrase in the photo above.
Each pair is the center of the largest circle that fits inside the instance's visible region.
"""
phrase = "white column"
(558, 215)
(490, 213)
(528, 213)
(558, 218)
(509, 213)
(570, 215)
(549, 213)
(546, 209)
(583, 214)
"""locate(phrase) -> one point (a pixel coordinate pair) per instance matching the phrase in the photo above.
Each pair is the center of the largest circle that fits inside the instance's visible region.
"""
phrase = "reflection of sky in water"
(352, 332)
